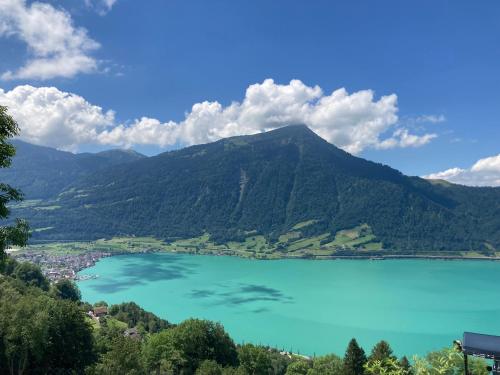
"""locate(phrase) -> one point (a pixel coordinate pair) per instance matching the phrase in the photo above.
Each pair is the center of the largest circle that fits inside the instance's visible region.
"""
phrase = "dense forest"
(46, 329)
(266, 184)
(43, 172)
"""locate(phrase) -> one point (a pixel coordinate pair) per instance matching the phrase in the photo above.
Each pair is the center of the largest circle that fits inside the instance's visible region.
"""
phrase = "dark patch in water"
(261, 289)
(251, 293)
(200, 293)
(261, 310)
(150, 268)
(114, 287)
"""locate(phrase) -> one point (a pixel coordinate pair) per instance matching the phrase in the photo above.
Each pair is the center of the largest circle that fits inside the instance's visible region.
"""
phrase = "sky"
(414, 85)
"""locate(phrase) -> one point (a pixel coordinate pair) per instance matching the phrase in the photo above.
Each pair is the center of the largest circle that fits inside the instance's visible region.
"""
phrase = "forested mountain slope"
(272, 184)
(43, 172)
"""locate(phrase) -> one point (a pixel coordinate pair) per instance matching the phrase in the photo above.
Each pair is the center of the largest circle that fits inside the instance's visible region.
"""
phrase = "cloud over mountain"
(485, 172)
(354, 122)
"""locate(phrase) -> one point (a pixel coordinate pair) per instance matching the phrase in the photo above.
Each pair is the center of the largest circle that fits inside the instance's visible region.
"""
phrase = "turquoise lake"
(311, 307)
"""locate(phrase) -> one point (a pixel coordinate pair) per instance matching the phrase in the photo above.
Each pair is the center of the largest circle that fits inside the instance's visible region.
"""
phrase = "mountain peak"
(296, 133)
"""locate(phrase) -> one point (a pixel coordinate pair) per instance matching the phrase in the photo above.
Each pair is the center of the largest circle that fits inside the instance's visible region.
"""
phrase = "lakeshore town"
(61, 266)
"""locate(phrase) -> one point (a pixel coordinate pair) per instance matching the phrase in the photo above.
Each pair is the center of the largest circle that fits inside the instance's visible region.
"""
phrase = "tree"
(447, 362)
(299, 367)
(387, 366)
(70, 341)
(354, 359)
(209, 367)
(31, 274)
(66, 289)
(18, 233)
(405, 364)
(161, 355)
(124, 358)
(134, 315)
(23, 330)
(40, 334)
(382, 350)
(255, 359)
(201, 339)
(327, 365)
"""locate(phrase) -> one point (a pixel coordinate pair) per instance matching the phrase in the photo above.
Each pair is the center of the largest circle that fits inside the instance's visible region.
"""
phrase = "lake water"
(311, 307)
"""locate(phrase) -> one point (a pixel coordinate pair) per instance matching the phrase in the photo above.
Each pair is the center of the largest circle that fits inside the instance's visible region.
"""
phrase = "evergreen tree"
(405, 365)
(18, 233)
(354, 359)
(382, 350)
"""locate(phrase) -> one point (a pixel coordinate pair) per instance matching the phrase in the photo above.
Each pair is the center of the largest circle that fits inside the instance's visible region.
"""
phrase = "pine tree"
(381, 351)
(405, 364)
(354, 359)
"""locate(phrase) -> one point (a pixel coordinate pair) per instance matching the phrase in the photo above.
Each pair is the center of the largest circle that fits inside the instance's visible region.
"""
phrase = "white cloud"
(51, 117)
(56, 46)
(402, 138)
(433, 119)
(353, 122)
(485, 172)
(101, 6)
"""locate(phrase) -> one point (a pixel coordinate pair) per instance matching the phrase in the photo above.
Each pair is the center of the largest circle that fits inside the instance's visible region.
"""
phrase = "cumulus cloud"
(353, 122)
(485, 172)
(51, 117)
(57, 48)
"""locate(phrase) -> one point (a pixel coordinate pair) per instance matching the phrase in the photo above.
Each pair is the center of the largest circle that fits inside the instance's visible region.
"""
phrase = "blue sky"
(156, 59)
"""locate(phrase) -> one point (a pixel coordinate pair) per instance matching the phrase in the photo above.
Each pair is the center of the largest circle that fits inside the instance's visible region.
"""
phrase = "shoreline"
(344, 257)
(64, 266)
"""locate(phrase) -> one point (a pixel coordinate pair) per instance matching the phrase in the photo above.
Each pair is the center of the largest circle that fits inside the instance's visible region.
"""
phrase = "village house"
(99, 312)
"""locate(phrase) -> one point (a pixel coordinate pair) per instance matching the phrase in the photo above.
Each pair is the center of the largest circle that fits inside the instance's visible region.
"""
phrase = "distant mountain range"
(43, 172)
(283, 185)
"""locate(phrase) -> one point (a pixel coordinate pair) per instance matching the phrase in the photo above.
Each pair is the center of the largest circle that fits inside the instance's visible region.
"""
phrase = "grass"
(291, 244)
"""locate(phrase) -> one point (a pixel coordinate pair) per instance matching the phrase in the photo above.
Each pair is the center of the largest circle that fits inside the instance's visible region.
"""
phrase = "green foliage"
(162, 355)
(298, 367)
(39, 333)
(327, 365)
(201, 339)
(31, 274)
(447, 362)
(209, 367)
(185, 346)
(255, 359)
(405, 364)
(384, 366)
(354, 359)
(134, 315)
(123, 358)
(66, 289)
(381, 351)
(42, 172)
(18, 233)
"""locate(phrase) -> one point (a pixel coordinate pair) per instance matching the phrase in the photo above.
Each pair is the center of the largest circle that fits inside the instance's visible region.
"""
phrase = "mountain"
(42, 172)
(287, 185)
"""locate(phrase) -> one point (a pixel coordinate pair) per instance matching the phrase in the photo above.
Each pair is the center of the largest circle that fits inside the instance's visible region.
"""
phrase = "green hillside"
(286, 190)
(42, 172)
